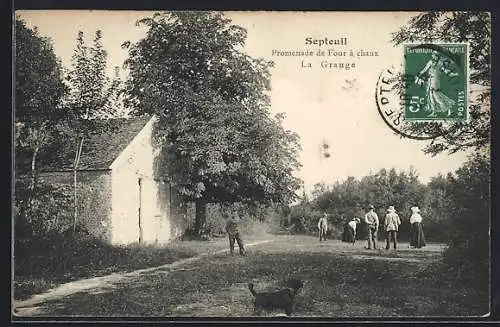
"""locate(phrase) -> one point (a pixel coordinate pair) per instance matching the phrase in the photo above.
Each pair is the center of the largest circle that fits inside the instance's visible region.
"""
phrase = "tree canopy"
(217, 137)
(39, 92)
(38, 76)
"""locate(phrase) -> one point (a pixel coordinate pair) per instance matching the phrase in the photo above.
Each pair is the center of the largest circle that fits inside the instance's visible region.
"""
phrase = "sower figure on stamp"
(234, 234)
(323, 227)
(391, 225)
(372, 223)
(437, 101)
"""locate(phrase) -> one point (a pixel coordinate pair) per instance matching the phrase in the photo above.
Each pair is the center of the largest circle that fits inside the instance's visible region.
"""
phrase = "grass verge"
(42, 264)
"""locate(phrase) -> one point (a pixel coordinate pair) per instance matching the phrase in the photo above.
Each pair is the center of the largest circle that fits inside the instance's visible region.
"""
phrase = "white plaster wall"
(134, 162)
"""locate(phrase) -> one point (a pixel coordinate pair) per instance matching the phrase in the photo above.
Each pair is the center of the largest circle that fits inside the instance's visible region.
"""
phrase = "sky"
(323, 105)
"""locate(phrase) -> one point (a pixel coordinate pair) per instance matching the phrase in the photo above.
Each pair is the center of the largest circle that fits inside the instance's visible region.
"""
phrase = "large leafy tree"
(39, 90)
(474, 28)
(217, 139)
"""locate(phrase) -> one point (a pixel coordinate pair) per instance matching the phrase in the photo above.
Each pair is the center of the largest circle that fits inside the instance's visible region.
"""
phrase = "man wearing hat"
(391, 225)
(417, 239)
(372, 223)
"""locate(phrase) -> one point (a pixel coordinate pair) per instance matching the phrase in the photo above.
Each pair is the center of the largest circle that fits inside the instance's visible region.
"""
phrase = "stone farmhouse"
(119, 197)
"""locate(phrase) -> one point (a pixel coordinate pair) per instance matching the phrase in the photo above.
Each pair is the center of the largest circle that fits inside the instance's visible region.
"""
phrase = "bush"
(469, 245)
(49, 212)
(304, 218)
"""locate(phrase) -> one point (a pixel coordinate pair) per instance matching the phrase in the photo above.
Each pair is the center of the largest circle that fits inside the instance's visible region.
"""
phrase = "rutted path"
(100, 284)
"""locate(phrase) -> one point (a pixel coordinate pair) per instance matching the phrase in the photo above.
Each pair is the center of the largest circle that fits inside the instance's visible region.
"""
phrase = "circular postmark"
(412, 114)
(389, 104)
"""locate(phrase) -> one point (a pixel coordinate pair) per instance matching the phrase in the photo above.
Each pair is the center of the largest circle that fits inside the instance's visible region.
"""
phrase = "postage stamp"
(436, 77)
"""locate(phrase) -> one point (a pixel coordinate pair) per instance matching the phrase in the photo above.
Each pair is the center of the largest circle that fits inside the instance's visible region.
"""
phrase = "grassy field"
(41, 268)
(341, 280)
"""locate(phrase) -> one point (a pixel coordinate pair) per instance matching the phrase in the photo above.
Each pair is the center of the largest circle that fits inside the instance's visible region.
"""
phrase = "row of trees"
(350, 198)
(344, 200)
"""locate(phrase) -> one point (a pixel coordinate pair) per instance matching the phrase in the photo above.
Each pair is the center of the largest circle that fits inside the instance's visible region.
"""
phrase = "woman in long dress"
(437, 101)
(417, 238)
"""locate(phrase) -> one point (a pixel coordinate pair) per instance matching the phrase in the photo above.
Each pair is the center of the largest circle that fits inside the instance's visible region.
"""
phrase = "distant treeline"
(441, 200)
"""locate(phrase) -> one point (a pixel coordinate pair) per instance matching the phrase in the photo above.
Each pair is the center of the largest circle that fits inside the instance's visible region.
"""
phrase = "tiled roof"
(108, 139)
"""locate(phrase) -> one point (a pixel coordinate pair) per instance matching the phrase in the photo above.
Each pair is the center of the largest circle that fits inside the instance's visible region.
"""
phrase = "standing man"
(323, 227)
(234, 234)
(391, 225)
(372, 222)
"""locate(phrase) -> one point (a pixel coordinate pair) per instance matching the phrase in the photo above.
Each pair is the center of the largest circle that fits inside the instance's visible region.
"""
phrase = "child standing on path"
(234, 235)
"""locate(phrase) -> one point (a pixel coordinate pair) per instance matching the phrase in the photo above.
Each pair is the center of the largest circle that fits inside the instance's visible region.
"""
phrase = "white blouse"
(415, 218)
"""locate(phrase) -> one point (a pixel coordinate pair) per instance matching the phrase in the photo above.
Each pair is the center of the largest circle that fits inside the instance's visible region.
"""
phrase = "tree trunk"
(75, 194)
(201, 215)
(32, 186)
(75, 200)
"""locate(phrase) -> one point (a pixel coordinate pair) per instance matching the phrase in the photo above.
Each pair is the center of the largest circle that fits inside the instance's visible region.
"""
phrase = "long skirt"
(417, 238)
(348, 235)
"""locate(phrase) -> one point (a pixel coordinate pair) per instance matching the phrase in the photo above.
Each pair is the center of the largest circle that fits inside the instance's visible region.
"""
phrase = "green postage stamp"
(435, 86)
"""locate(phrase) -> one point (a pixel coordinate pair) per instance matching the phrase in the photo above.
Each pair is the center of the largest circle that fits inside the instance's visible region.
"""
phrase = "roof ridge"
(103, 145)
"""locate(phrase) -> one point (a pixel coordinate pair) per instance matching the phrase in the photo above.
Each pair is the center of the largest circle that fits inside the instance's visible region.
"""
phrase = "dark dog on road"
(282, 299)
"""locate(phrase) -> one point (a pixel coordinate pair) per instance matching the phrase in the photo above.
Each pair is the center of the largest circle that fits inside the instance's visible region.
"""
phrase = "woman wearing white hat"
(417, 239)
(391, 225)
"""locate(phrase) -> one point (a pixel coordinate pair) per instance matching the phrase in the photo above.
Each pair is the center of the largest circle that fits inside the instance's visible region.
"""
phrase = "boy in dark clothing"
(234, 234)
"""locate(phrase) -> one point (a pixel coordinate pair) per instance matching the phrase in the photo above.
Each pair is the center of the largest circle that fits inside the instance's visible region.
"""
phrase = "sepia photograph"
(251, 164)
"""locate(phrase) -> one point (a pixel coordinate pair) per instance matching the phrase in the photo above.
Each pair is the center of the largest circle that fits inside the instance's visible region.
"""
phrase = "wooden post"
(75, 170)
(141, 236)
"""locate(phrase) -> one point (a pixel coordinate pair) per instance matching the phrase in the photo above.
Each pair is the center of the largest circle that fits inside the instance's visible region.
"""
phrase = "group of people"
(391, 227)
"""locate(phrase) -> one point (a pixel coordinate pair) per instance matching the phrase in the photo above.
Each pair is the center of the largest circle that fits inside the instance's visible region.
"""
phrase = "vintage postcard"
(178, 164)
